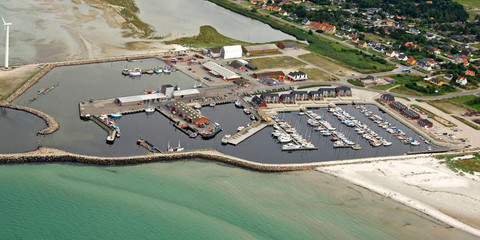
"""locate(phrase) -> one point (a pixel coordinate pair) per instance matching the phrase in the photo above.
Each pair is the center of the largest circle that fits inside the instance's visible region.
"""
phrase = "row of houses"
(328, 28)
(294, 96)
(404, 110)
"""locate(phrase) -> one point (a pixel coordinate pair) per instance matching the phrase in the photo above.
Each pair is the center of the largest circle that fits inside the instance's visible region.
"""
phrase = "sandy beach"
(423, 184)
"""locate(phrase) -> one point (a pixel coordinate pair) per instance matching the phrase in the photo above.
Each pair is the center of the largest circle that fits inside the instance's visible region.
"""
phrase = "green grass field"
(400, 79)
(276, 62)
(466, 165)
(208, 37)
(318, 75)
(464, 100)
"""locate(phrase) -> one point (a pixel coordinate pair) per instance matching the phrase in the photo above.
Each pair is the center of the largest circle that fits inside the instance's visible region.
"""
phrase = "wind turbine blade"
(3, 19)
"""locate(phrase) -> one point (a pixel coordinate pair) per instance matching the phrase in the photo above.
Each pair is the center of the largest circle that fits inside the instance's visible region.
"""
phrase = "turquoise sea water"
(197, 200)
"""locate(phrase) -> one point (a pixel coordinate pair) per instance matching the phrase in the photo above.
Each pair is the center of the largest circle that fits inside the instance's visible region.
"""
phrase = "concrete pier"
(247, 132)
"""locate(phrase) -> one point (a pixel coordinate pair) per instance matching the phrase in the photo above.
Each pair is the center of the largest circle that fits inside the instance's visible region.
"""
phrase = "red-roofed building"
(412, 61)
(465, 62)
(470, 73)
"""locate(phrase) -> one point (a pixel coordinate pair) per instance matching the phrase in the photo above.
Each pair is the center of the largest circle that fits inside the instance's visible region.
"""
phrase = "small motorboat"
(125, 71)
(149, 110)
(212, 104)
(356, 147)
(300, 113)
(150, 71)
(135, 72)
(197, 106)
(225, 139)
(252, 116)
(240, 128)
(290, 146)
(158, 70)
(175, 149)
(246, 111)
(238, 104)
(116, 115)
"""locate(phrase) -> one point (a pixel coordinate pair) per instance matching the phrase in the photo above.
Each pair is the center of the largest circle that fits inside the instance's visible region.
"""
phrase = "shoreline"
(419, 205)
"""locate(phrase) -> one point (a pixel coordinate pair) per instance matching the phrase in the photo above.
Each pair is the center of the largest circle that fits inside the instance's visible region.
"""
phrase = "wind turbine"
(7, 26)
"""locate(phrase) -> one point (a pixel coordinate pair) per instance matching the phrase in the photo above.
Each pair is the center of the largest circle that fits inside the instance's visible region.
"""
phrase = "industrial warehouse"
(218, 70)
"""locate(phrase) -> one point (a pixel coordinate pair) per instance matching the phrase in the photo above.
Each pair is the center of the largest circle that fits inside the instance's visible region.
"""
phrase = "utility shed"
(260, 48)
(223, 72)
(229, 52)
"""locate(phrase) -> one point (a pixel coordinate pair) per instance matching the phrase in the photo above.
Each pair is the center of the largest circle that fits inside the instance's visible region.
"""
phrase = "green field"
(318, 75)
(349, 57)
(276, 62)
(400, 79)
(208, 37)
(465, 101)
(353, 82)
(472, 7)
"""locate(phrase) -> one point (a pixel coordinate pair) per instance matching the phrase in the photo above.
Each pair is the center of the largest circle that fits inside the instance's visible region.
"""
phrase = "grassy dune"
(208, 37)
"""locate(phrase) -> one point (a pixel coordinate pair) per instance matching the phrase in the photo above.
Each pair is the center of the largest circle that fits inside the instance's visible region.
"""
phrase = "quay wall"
(57, 156)
(52, 124)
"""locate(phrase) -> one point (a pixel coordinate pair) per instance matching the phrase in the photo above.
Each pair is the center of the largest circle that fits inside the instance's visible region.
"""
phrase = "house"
(465, 61)
(425, 123)
(362, 44)
(287, 45)
(425, 67)
(448, 76)
(229, 52)
(343, 91)
(327, 92)
(300, 95)
(391, 53)
(430, 36)
(270, 97)
(402, 57)
(411, 61)
(287, 98)
(414, 31)
(469, 73)
(315, 95)
(297, 76)
(324, 27)
(274, 74)
(305, 21)
(461, 80)
(258, 102)
(387, 97)
(398, 106)
(436, 81)
(409, 113)
(379, 49)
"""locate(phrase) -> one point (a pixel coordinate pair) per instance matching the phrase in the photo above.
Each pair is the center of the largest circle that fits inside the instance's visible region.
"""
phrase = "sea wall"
(45, 155)
(52, 124)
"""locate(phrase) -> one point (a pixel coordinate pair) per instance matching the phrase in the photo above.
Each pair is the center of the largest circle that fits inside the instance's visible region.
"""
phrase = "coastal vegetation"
(128, 10)
(469, 165)
(208, 37)
(400, 79)
(344, 55)
(356, 83)
(457, 105)
(277, 62)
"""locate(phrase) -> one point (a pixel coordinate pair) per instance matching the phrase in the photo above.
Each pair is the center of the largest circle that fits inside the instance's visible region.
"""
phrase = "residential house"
(343, 91)
(411, 61)
(402, 57)
(258, 102)
(379, 49)
(287, 98)
(315, 95)
(461, 80)
(469, 73)
(387, 97)
(362, 44)
(425, 123)
(297, 76)
(270, 97)
(448, 76)
(369, 80)
(391, 53)
(300, 95)
(328, 92)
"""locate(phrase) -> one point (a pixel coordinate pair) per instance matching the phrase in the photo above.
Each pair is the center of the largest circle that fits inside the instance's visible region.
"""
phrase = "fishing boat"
(125, 71)
(158, 70)
(238, 104)
(149, 110)
(193, 135)
(135, 72)
(246, 111)
(225, 139)
(116, 115)
(414, 142)
(175, 149)
(290, 146)
(149, 91)
(356, 147)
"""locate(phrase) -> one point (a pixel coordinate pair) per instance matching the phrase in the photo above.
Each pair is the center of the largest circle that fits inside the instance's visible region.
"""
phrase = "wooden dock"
(247, 132)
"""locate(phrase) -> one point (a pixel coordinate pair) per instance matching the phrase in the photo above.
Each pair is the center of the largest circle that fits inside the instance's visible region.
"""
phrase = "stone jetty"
(52, 124)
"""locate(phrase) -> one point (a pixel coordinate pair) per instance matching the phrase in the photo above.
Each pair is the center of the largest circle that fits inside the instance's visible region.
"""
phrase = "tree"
(310, 32)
